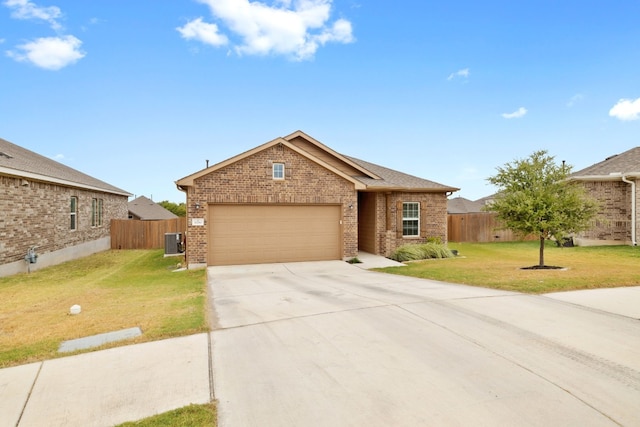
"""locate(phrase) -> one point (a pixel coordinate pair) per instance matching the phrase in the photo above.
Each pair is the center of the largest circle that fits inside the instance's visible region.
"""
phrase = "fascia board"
(62, 182)
(332, 152)
(358, 185)
(609, 177)
(188, 180)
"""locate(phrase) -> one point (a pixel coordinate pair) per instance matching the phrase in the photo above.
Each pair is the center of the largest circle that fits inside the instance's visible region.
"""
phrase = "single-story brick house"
(613, 182)
(145, 209)
(295, 199)
(62, 212)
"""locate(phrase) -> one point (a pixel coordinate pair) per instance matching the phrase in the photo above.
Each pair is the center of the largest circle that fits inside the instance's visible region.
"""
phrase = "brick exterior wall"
(433, 219)
(250, 181)
(38, 214)
(613, 223)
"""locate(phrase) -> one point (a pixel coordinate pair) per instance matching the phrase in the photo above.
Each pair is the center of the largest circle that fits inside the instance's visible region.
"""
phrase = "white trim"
(273, 171)
(633, 208)
(411, 219)
(73, 213)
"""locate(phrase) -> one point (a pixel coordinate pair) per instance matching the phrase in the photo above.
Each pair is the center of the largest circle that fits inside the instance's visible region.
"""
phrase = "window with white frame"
(96, 212)
(278, 171)
(73, 213)
(411, 219)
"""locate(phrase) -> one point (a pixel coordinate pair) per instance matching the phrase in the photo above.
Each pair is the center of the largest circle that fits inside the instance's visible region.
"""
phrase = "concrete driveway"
(329, 344)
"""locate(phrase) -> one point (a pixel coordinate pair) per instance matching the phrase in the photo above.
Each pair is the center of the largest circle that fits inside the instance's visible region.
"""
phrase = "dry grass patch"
(116, 290)
(498, 265)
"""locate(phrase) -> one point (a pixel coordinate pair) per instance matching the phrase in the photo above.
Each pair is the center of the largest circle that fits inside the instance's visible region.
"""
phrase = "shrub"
(413, 252)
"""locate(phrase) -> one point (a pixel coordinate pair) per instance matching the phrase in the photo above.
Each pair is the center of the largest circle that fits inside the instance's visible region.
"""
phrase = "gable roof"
(364, 175)
(146, 209)
(461, 205)
(20, 162)
(613, 167)
(189, 180)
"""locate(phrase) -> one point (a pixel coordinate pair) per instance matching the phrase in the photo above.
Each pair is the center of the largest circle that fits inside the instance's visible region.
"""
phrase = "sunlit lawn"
(498, 265)
(189, 416)
(115, 289)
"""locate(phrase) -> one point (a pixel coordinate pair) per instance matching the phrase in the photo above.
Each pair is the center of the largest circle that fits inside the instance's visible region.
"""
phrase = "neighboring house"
(460, 205)
(145, 209)
(295, 199)
(613, 182)
(64, 213)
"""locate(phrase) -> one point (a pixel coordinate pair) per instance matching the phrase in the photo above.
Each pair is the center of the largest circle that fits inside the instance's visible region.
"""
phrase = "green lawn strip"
(116, 290)
(499, 266)
(189, 416)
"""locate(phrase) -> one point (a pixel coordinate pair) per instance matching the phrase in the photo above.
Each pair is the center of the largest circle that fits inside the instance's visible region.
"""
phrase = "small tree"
(176, 209)
(535, 198)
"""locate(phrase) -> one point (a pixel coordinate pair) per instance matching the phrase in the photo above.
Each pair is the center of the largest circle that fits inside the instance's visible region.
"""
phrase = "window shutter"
(399, 219)
(269, 169)
(423, 219)
(287, 170)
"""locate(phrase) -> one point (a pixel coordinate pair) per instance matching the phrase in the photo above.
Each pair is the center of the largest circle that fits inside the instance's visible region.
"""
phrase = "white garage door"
(257, 234)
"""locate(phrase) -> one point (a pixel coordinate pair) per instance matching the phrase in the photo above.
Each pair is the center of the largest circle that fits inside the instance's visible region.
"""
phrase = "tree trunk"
(541, 263)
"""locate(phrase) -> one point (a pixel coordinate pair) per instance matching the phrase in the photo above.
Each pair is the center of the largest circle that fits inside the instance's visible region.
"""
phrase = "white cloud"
(464, 73)
(626, 109)
(578, 97)
(294, 28)
(51, 53)
(24, 9)
(203, 32)
(520, 112)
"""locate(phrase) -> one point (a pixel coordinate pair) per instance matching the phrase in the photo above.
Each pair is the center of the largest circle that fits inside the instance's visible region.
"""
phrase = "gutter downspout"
(633, 209)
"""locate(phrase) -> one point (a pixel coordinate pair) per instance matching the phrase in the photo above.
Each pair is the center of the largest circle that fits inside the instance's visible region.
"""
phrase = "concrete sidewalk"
(108, 387)
(622, 301)
(128, 383)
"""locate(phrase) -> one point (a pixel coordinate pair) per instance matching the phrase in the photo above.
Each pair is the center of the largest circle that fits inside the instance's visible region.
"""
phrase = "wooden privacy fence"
(479, 227)
(136, 234)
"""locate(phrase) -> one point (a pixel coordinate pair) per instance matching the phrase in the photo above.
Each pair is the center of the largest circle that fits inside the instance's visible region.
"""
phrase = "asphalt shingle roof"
(393, 179)
(146, 209)
(459, 205)
(21, 162)
(626, 162)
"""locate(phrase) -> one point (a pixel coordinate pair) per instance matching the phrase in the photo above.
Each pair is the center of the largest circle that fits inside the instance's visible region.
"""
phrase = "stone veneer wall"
(250, 181)
(613, 224)
(38, 214)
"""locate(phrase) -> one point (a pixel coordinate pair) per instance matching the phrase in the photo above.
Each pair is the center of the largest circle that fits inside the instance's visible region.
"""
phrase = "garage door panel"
(247, 234)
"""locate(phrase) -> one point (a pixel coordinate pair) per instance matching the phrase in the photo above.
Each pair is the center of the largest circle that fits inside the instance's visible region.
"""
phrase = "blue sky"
(141, 93)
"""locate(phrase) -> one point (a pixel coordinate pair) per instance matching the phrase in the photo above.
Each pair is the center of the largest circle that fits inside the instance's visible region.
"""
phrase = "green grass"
(116, 290)
(189, 416)
(498, 265)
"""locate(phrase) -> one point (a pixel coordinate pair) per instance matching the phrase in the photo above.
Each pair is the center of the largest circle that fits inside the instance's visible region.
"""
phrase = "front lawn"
(498, 265)
(189, 416)
(115, 289)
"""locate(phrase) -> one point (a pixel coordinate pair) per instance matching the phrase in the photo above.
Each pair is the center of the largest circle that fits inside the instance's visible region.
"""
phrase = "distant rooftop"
(146, 209)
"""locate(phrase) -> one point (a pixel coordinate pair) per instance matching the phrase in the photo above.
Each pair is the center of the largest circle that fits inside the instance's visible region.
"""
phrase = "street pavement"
(331, 344)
